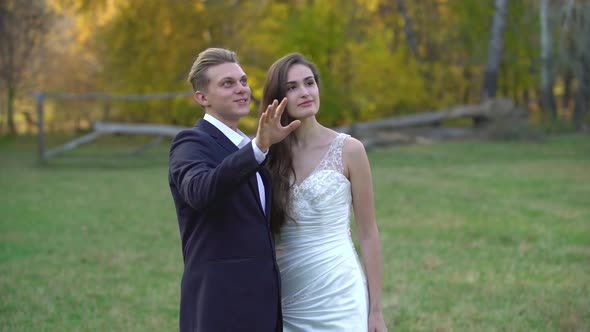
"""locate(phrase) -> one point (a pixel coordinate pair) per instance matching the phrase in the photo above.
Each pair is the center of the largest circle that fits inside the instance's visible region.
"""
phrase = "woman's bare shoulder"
(353, 147)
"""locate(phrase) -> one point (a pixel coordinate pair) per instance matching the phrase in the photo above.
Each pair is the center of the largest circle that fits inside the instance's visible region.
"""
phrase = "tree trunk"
(515, 88)
(106, 111)
(1, 121)
(582, 65)
(565, 51)
(582, 97)
(23, 26)
(503, 81)
(567, 89)
(467, 76)
(10, 93)
(490, 76)
(494, 50)
(408, 29)
(547, 96)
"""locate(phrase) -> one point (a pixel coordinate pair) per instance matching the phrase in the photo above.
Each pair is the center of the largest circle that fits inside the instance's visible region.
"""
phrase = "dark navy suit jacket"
(231, 280)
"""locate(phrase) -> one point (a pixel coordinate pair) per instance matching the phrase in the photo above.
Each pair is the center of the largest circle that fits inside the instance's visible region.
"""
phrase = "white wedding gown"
(323, 284)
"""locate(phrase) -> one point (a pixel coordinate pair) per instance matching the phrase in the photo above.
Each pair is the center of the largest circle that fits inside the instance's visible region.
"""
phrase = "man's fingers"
(262, 118)
(274, 105)
(281, 107)
(293, 125)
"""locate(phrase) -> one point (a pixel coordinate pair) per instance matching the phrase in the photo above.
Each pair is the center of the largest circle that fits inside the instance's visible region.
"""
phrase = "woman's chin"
(303, 114)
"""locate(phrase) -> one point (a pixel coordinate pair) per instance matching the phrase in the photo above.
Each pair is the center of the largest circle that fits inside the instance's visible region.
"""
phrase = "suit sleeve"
(200, 179)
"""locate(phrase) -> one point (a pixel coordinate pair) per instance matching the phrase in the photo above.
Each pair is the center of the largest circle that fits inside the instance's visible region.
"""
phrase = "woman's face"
(303, 98)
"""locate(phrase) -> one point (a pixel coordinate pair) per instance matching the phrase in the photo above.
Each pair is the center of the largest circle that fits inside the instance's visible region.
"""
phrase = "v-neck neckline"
(315, 169)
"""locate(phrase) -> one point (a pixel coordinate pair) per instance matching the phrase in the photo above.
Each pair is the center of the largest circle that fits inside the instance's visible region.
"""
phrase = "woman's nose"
(304, 92)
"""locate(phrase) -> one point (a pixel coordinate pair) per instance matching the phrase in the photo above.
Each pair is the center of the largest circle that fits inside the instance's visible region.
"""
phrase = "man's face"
(228, 95)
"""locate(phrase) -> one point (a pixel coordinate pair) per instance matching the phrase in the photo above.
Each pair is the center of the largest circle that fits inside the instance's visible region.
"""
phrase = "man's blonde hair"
(210, 57)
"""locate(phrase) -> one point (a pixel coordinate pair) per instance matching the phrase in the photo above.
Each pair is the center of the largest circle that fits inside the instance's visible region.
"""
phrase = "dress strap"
(333, 158)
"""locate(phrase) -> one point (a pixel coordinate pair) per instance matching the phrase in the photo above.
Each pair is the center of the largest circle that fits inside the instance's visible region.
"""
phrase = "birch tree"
(575, 55)
(547, 97)
(582, 64)
(490, 76)
(494, 50)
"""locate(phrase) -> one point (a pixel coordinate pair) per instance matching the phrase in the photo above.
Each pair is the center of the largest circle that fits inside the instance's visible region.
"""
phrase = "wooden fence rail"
(421, 127)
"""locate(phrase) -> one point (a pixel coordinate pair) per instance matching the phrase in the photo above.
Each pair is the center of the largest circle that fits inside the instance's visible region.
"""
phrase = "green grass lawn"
(475, 237)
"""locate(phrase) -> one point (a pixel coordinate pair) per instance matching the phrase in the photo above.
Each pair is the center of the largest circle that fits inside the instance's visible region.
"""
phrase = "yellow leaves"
(84, 30)
(361, 48)
(384, 80)
(248, 124)
(199, 6)
(371, 5)
(57, 5)
(107, 14)
(167, 29)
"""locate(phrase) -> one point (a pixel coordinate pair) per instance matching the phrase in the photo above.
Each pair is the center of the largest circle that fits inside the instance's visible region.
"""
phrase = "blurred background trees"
(377, 58)
(23, 27)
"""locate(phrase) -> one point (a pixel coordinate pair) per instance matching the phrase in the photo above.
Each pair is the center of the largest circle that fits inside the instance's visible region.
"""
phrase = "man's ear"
(201, 98)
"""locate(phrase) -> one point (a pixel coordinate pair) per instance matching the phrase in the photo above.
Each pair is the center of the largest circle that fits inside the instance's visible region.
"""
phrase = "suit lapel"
(210, 129)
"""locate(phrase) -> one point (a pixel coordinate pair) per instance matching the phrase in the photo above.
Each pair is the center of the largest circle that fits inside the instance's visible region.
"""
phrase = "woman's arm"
(359, 173)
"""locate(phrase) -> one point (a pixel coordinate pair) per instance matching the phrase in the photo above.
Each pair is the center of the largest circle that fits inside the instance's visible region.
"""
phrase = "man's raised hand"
(270, 130)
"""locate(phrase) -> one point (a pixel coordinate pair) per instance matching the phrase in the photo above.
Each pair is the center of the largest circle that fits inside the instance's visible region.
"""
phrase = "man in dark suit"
(222, 196)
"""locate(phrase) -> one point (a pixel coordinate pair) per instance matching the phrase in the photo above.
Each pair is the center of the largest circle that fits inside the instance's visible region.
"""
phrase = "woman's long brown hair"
(280, 157)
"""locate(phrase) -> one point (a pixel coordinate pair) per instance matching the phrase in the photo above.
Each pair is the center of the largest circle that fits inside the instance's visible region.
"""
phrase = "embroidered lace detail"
(323, 181)
(333, 158)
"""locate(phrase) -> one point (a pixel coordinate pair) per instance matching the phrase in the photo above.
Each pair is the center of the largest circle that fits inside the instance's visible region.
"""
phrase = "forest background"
(376, 58)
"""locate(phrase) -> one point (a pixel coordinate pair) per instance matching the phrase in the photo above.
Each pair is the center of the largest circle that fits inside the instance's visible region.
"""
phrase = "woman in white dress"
(319, 176)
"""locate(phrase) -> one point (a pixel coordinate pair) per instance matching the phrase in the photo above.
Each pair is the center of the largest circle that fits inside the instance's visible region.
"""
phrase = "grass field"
(475, 237)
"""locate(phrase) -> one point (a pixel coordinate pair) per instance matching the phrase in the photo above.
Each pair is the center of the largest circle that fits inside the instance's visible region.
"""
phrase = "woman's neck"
(308, 132)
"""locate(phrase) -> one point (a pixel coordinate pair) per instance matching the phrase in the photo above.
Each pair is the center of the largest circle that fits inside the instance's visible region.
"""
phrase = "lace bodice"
(323, 181)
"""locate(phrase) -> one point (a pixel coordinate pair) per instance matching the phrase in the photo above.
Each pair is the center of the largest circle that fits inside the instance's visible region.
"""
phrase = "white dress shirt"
(240, 140)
